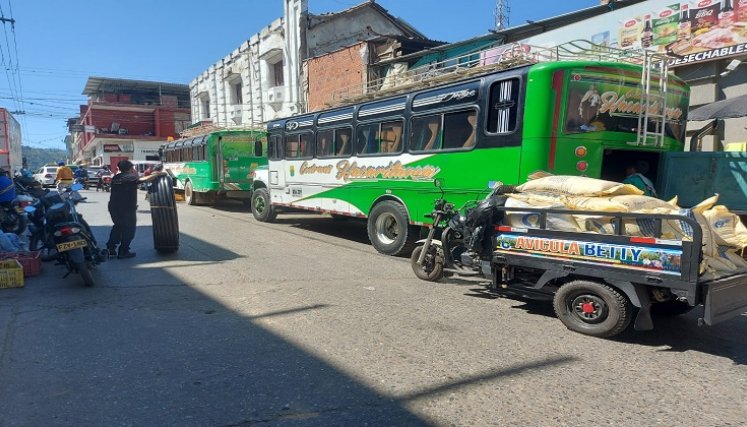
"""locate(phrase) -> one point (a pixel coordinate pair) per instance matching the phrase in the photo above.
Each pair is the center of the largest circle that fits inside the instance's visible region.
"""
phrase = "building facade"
(10, 142)
(127, 119)
(266, 78)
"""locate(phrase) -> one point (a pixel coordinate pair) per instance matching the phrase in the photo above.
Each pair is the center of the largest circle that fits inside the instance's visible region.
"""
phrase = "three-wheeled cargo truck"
(599, 283)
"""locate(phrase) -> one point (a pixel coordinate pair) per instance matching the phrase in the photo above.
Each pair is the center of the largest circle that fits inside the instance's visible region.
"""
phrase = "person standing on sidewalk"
(123, 209)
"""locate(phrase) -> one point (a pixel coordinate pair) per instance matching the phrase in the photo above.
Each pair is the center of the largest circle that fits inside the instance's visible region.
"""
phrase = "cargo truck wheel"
(592, 308)
(389, 231)
(262, 206)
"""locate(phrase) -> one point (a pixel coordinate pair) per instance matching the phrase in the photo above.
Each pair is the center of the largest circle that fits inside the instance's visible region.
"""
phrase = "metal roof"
(95, 85)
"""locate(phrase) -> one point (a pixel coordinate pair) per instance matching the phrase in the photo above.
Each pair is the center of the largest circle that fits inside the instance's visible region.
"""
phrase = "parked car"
(45, 176)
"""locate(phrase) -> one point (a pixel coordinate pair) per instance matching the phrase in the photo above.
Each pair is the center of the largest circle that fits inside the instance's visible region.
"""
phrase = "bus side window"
(324, 146)
(426, 133)
(391, 137)
(459, 130)
(292, 150)
(503, 108)
(367, 141)
(342, 142)
(307, 146)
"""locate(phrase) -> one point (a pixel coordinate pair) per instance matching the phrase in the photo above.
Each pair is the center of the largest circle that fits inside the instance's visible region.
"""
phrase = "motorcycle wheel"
(85, 273)
(13, 223)
(432, 269)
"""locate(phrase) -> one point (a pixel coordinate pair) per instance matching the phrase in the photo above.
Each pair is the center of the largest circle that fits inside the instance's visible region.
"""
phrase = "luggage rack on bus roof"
(514, 55)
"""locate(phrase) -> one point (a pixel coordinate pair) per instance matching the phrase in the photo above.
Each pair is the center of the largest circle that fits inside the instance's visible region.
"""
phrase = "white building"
(263, 79)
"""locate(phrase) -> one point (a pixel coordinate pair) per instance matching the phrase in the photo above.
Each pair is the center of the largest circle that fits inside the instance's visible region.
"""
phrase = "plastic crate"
(30, 261)
(11, 274)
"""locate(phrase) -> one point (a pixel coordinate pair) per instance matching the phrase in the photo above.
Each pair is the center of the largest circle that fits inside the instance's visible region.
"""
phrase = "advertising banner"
(691, 32)
(667, 261)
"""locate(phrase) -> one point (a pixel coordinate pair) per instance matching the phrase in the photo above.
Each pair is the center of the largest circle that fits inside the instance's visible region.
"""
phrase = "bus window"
(324, 143)
(391, 137)
(299, 146)
(384, 138)
(426, 133)
(504, 106)
(275, 148)
(459, 130)
(343, 146)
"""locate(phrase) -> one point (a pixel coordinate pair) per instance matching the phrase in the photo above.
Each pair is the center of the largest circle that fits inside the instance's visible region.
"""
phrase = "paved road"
(302, 323)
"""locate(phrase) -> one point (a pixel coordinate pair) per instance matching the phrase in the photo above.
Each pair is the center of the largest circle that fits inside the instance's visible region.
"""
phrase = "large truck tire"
(163, 215)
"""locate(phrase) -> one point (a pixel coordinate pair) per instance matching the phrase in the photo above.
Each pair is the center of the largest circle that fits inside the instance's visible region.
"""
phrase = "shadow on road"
(169, 354)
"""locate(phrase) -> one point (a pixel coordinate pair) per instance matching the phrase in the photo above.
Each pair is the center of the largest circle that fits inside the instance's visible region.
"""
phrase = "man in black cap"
(123, 208)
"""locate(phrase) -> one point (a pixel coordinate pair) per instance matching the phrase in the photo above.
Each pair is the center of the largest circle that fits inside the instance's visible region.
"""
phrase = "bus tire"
(164, 216)
(592, 308)
(262, 206)
(189, 194)
(389, 230)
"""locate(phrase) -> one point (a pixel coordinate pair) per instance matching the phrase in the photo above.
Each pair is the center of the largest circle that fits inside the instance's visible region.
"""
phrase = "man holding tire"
(123, 209)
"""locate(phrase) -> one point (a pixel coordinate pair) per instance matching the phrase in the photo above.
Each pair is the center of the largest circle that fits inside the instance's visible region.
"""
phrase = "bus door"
(275, 167)
(299, 148)
(234, 158)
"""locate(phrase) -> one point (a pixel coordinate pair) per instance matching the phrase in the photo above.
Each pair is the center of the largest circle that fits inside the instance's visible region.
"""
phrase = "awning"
(728, 108)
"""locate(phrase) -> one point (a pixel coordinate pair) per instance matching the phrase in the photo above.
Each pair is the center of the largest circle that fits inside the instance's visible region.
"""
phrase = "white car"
(46, 175)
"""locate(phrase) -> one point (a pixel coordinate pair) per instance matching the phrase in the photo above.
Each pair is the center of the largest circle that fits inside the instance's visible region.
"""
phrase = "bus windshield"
(600, 101)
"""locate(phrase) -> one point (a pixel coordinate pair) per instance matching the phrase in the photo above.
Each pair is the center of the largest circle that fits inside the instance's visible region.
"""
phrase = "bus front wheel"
(261, 205)
(389, 231)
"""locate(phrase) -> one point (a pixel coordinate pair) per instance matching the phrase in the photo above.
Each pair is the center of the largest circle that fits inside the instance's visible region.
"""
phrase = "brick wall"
(334, 72)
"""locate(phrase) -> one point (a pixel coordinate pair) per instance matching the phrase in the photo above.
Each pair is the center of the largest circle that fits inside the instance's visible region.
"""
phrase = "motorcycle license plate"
(67, 246)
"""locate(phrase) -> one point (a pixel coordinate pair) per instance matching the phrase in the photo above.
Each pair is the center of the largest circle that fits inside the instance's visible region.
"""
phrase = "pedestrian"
(7, 188)
(123, 209)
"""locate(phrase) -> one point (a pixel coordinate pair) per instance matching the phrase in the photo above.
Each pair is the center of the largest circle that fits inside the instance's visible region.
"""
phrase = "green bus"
(216, 165)
(378, 159)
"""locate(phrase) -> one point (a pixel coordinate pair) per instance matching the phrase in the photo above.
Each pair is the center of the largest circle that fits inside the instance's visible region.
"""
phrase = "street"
(302, 322)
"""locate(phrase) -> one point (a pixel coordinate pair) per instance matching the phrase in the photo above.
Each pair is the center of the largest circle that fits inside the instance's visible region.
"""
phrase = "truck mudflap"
(724, 298)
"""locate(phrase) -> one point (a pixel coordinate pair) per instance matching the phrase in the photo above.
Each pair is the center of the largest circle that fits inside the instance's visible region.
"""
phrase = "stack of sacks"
(723, 233)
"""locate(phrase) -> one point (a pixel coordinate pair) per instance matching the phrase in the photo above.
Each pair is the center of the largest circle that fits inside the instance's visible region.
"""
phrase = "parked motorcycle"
(467, 241)
(66, 236)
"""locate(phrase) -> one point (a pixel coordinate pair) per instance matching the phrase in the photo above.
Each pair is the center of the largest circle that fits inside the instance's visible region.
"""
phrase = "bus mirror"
(438, 182)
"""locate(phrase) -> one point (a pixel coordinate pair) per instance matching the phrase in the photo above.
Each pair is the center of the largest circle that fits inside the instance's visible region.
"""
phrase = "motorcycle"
(466, 244)
(106, 183)
(82, 181)
(65, 234)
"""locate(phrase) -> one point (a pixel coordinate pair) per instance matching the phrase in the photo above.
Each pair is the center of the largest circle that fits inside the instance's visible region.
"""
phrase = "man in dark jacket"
(123, 209)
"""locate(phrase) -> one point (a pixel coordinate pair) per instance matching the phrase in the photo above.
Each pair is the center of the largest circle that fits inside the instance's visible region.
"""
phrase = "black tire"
(85, 274)
(670, 308)
(389, 230)
(13, 222)
(592, 308)
(189, 194)
(432, 269)
(164, 215)
(262, 208)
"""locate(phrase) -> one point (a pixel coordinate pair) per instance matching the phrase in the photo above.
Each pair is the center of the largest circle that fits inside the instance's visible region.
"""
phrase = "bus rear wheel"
(189, 194)
(389, 231)
(262, 206)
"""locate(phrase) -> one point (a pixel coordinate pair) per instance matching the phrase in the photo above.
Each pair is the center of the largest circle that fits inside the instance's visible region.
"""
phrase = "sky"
(54, 46)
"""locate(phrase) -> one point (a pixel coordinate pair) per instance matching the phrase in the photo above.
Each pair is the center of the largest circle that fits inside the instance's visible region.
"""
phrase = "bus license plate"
(67, 246)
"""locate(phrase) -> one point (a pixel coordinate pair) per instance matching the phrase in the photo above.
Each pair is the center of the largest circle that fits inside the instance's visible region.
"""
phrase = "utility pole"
(501, 15)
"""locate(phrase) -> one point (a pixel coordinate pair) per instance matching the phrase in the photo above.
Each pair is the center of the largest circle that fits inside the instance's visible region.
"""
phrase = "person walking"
(123, 209)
